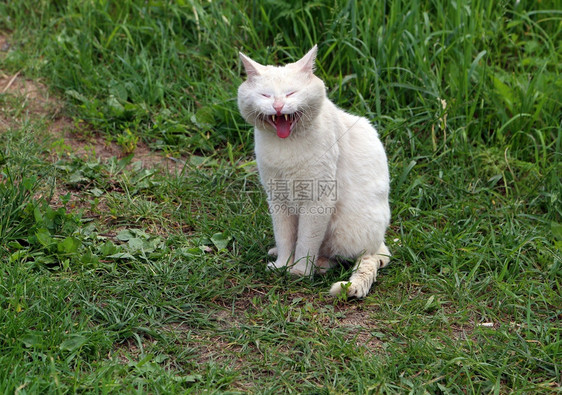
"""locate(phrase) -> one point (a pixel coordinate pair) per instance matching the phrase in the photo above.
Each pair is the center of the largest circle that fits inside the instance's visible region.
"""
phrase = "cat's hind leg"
(384, 255)
(364, 274)
(323, 264)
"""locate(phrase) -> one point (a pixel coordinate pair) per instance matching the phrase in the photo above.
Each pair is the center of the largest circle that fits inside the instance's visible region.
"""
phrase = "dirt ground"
(24, 100)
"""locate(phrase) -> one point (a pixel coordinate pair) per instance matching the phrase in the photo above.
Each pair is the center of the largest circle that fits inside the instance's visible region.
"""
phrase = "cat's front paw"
(272, 251)
(280, 264)
(353, 290)
(275, 266)
(303, 267)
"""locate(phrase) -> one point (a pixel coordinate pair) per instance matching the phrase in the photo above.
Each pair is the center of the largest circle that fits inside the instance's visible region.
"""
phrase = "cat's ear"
(306, 63)
(252, 67)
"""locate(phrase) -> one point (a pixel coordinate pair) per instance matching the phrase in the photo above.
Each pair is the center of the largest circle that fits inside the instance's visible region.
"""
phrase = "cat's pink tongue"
(283, 127)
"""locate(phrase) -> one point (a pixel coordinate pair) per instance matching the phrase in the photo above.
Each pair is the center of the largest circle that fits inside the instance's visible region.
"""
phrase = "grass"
(117, 277)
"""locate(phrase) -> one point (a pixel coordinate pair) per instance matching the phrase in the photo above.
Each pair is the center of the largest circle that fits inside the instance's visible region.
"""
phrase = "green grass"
(116, 278)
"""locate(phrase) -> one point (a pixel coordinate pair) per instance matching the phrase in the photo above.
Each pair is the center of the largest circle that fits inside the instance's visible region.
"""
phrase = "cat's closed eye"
(286, 95)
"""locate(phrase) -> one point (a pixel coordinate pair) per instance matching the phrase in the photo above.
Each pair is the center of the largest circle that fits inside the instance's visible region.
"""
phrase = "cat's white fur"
(325, 144)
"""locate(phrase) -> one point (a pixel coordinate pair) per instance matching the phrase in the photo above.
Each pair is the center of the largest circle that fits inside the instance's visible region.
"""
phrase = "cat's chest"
(295, 158)
(294, 165)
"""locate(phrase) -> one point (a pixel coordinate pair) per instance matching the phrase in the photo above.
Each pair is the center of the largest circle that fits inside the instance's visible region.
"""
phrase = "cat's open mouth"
(283, 123)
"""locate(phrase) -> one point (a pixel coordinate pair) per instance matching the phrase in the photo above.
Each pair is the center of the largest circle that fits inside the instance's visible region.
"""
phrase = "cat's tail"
(364, 274)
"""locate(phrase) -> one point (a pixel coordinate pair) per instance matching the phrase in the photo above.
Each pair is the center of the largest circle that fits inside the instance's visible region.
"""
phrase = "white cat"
(324, 170)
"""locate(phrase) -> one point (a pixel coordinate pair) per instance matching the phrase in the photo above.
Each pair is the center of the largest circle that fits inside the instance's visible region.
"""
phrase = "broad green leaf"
(125, 235)
(75, 95)
(44, 237)
(220, 240)
(136, 244)
(69, 245)
(108, 248)
(117, 108)
(96, 192)
(73, 342)
(33, 340)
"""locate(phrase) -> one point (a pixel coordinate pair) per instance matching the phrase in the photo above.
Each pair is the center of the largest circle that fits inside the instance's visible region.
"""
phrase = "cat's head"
(281, 99)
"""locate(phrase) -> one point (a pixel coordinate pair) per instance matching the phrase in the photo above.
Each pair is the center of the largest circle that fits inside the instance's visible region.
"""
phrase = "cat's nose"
(278, 106)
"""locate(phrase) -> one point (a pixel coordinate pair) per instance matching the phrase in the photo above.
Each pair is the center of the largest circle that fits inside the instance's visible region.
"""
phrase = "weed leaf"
(220, 240)
(73, 342)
